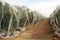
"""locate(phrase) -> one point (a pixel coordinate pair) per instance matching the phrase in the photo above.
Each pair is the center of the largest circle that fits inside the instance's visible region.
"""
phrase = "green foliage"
(6, 17)
(5, 22)
(13, 24)
(15, 17)
(30, 15)
(22, 20)
(0, 11)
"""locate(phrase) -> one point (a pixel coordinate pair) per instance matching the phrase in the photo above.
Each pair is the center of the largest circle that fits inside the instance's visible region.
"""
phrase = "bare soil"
(39, 31)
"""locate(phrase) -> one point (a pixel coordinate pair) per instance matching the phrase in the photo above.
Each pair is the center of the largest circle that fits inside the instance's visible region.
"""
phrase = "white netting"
(14, 19)
(55, 20)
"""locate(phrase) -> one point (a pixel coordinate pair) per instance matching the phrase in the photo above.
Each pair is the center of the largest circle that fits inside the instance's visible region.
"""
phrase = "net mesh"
(14, 19)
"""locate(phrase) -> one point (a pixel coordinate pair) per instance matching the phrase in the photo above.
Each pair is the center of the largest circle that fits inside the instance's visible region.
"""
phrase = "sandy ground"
(40, 31)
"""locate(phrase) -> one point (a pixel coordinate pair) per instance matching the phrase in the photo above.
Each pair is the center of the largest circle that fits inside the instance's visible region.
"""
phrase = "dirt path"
(40, 31)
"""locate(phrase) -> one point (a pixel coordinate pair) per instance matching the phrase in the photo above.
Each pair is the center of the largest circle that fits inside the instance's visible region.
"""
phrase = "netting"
(55, 20)
(14, 18)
